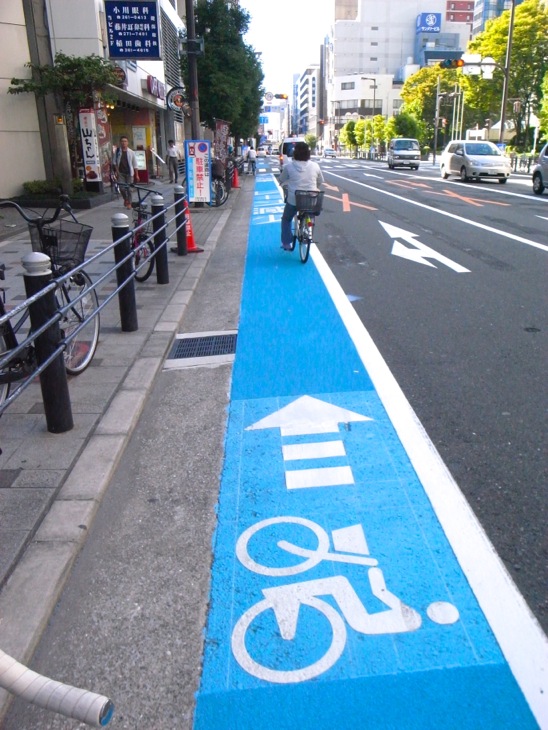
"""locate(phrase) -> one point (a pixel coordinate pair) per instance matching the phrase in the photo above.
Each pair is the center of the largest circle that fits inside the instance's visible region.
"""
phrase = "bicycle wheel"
(4, 387)
(143, 254)
(80, 347)
(306, 229)
(220, 192)
(294, 231)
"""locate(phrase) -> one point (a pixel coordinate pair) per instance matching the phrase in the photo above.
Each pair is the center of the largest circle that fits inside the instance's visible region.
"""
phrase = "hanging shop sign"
(133, 29)
(90, 146)
(177, 101)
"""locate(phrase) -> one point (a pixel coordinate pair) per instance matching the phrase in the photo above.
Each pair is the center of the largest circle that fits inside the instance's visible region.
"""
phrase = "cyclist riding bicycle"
(300, 173)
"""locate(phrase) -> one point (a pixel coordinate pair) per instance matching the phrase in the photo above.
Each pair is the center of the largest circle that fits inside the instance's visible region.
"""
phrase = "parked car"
(540, 172)
(328, 152)
(275, 150)
(261, 151)
(403, 152)
(474, 160)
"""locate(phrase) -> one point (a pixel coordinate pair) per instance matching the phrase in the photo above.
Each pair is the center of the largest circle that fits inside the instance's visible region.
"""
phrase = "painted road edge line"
(520, 636)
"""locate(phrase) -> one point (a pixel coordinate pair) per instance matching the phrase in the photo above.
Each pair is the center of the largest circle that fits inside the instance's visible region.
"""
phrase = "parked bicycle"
(141, 241)
(309, 205)
(65, 242)
(219, 188)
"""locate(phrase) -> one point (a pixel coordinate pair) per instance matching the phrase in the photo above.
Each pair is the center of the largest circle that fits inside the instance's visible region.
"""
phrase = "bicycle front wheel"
(305, 237)
(81, 343)
(220, 192)
(144, 257)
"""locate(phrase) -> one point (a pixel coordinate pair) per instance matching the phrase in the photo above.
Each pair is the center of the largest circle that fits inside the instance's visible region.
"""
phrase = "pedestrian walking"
(173, 157)
(125, 168)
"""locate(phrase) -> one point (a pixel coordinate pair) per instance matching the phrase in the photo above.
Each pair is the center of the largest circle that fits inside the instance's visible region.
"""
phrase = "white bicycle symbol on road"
(285, 600)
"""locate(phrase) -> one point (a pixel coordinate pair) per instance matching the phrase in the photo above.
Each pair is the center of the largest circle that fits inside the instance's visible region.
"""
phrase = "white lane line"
(319, 450)
(335, 476)
(520, 637)
(446, 213)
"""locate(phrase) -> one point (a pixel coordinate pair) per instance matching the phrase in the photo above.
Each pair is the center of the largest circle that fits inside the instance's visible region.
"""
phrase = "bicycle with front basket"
(141, 242)
(309, 205)
(65, 241)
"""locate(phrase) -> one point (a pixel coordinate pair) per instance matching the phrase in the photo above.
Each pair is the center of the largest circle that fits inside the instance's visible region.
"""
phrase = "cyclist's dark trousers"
(288, 215)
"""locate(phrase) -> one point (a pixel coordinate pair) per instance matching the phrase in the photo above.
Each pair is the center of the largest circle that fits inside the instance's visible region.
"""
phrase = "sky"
(288, 34)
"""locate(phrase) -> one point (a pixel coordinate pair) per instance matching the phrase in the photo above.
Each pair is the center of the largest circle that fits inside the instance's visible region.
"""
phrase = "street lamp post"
(368, 78)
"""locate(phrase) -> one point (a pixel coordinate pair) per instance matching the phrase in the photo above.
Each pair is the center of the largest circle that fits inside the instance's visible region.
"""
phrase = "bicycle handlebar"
(64, 204)
(79, 704)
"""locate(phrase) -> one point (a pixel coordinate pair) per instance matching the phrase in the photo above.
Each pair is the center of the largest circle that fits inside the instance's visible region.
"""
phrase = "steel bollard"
(180, 221)
(53, 380)
(124, 273)
(160, 239)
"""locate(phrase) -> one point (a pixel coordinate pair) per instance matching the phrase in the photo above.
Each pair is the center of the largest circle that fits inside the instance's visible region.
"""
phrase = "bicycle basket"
(65, 242)
(309, 201)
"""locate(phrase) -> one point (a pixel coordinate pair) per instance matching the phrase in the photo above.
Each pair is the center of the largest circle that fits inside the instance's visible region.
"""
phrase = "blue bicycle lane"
(351, 585)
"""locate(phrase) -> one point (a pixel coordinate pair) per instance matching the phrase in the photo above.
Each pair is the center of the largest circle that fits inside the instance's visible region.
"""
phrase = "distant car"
(261, 151)
(275, 151)
(403, 152)
(475, 160)
(540, 172)
(328, 152)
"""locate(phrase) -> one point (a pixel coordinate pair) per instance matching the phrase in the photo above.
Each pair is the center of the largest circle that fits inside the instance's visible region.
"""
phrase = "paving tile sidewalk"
(51, 484)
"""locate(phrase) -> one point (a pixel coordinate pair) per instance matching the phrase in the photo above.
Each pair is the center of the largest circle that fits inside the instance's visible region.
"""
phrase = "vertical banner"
(222, 130)
(198, 170)
(90, 147)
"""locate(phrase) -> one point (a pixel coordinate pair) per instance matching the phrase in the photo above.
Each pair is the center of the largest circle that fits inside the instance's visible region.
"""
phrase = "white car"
(475, 160)
(540, 172)
(261, 151)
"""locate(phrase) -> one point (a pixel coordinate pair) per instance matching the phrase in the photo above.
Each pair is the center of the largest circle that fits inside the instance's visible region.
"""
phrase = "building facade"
(485, 10)
(33, 132)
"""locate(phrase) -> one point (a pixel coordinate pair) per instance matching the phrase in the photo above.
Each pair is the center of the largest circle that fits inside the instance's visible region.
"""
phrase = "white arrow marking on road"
(420, 251)
(308, 415)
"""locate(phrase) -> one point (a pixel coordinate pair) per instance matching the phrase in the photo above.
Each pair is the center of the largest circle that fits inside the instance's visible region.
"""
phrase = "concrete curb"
(32, 591)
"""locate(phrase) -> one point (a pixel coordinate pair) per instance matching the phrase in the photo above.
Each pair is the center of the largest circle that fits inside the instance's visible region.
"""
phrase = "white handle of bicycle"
(79, 704)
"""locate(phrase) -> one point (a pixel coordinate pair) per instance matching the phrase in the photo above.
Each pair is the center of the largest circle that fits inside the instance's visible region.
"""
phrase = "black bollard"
(124, 273)
(160, 239)
(53, 380)
(180, 221)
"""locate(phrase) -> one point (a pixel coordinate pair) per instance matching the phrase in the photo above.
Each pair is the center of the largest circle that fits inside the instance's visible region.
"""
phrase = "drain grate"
(208, 346)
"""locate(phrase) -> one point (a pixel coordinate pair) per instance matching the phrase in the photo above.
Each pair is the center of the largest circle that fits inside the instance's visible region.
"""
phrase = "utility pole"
(507, 72)
(192, 69)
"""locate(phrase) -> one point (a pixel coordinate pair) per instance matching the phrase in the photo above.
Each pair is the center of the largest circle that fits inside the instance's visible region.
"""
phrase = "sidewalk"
(51, 485)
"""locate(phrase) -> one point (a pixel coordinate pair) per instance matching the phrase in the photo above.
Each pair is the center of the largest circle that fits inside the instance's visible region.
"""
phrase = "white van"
(286, 149)
(403, 152)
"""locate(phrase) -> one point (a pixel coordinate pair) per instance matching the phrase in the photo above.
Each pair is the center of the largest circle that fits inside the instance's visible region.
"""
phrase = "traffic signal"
(280, 96)
(452, 63)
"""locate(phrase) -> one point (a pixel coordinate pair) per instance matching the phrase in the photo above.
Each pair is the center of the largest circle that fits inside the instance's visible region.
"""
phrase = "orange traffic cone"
(235, 178)
(191, 246)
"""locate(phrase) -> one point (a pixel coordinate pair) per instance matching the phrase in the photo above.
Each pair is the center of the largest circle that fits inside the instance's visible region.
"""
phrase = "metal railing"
(168, 223)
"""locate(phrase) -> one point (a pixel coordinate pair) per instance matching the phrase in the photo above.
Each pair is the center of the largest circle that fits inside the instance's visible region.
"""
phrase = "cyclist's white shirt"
(300, 175)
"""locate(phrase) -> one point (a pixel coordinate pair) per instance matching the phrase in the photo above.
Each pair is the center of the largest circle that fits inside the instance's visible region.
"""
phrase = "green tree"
(75, 80)
(229, 73)
(407, 125)
(311, 140)
(527, 68)
(347, 135)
